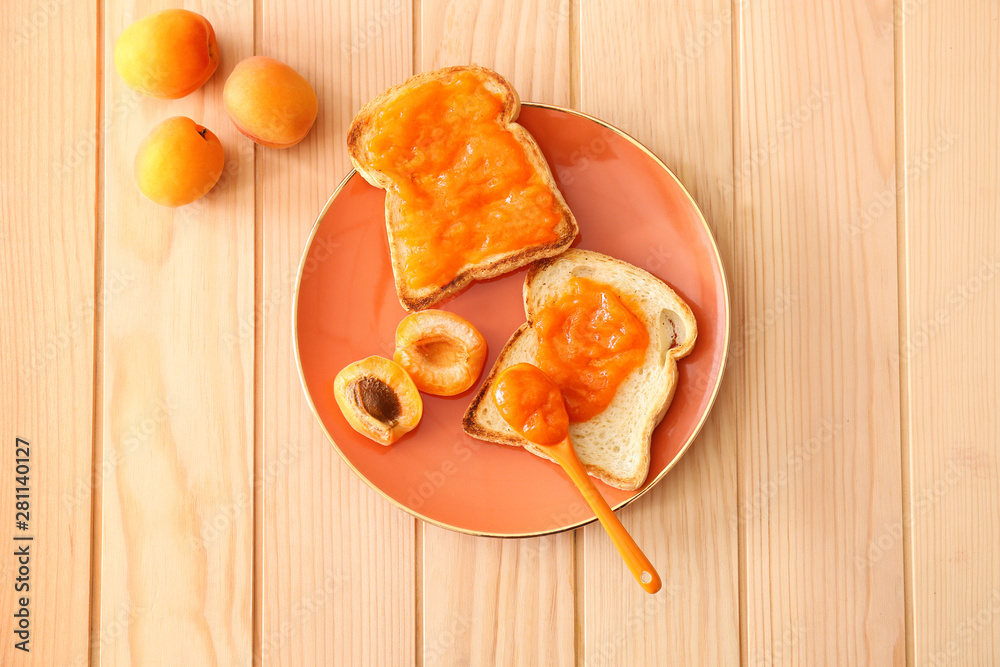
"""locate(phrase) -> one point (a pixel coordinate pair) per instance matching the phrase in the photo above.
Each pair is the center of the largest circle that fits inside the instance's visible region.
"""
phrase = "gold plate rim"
(680, 453)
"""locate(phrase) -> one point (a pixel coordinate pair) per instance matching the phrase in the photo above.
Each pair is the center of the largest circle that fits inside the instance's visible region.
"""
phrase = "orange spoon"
(532, 404)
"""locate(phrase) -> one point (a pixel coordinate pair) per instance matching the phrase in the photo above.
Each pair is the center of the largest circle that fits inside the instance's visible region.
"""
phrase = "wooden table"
(841, 506)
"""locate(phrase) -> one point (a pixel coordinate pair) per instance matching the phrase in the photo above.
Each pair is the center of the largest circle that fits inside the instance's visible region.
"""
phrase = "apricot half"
(270, 102)
(443, 352)
(178, 162)
(168, 54)
(378, 399)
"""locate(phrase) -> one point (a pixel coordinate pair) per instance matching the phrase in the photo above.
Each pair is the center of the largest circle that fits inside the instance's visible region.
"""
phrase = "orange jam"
(467, 188)
(532, 404)
(589, 342)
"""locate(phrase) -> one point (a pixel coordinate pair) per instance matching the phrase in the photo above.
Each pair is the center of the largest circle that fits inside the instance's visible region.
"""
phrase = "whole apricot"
(178, 162)
(270, 102)
(168, 54)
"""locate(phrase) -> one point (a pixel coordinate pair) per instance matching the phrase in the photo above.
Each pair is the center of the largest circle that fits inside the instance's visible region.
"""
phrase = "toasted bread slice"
(560, 228)
(614, 445)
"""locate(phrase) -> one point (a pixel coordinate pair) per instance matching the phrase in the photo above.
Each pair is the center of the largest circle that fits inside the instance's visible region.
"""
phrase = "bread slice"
(613, 445)
(362, 130)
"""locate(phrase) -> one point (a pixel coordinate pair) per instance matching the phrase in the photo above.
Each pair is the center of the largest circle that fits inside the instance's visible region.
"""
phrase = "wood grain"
(847, 441)
(819, 417)
(527, 42)
(497, 602)
(47, 305)
(951, 68)
(507, 602)
(177, 504)
(672, 90)
(338, 581)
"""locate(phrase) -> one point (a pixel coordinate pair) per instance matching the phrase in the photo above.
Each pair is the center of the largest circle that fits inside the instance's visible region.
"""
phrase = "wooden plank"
(525, 615)
(951, 64)
(671, 88)
(819, 420)
(47, 197)
(177, 503)
(489, 601)
(527, 42)
(338, 583)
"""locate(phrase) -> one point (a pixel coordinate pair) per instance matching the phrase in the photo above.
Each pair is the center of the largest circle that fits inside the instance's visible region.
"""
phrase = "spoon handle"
(641, 568)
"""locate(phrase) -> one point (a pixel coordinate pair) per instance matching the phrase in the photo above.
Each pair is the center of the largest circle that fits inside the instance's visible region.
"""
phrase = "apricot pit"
(378, 399)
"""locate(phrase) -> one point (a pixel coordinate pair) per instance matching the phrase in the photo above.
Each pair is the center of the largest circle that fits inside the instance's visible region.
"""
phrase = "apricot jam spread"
(467, 188)
(532, 404)
(589, 342)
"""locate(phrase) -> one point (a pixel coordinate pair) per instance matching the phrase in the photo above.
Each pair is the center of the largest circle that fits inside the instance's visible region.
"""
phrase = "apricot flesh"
(378, 399)
(168, 54)
(178, 162)
(443, 352)
(270, 102)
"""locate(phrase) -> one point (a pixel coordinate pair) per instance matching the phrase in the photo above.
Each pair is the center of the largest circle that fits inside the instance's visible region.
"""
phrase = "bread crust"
(499, 263)
(470, 423)
(522, 346)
